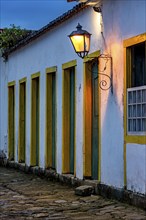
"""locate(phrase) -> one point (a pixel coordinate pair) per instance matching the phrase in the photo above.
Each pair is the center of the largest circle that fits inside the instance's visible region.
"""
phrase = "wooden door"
(35, 123)
(95, 118)
(11, 122)
(69, 120)
(22, 122)
(51, 121)
(72, 118)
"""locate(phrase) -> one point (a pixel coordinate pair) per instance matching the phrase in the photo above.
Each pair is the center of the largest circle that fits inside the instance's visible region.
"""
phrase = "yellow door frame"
(48, 150)
(87, 120)
(22, 113)
(11, 120)
(33, 121)
(66, 117)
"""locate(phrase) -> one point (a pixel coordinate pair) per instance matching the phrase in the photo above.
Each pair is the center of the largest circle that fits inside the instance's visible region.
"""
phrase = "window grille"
(136, 110)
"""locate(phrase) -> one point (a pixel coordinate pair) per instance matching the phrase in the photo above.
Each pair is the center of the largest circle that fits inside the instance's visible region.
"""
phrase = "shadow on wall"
(112, 165)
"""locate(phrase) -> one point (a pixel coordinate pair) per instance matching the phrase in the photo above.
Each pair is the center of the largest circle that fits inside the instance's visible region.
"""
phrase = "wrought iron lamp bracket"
(103, 84)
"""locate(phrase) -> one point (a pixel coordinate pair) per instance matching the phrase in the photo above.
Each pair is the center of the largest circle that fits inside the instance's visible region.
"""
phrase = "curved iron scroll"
(103, 84)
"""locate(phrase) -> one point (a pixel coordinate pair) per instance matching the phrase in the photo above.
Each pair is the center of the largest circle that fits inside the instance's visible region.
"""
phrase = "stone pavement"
(26, 196)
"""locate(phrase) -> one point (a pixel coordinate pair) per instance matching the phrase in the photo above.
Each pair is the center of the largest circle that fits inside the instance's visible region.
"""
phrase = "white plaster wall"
(42, 117)
(0, 98)
(16, 119)
(59, 119)
(136, 168)
(0, 101)
(121, 20)
(79, 121)
(28, 120)
(3, 107)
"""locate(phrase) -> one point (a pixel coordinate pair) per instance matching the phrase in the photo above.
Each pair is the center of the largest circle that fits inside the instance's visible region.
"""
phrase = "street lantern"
(80, 40)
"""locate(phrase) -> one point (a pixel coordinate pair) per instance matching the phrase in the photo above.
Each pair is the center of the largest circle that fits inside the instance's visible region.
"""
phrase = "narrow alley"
(26, 196)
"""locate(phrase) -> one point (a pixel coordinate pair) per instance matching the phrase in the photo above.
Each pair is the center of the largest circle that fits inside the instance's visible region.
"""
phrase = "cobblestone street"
(25, 196)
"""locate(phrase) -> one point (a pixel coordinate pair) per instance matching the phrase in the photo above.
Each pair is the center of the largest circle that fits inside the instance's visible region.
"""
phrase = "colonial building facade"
(85, 117)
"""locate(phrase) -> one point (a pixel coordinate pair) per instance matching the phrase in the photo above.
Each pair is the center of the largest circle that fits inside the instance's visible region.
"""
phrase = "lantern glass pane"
(87, 42)
(78, 43)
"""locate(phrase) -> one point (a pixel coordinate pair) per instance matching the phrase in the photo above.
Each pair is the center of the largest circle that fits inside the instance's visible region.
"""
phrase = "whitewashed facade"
(121, 157)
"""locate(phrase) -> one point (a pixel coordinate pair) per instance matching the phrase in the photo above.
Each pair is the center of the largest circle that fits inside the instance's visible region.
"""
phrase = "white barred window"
(136, 89)
(136, 110)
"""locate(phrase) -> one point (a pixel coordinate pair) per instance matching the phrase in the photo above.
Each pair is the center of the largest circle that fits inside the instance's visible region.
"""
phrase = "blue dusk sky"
(31, 14)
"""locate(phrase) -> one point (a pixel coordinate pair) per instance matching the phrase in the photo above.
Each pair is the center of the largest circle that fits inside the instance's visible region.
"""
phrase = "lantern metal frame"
(80, 32)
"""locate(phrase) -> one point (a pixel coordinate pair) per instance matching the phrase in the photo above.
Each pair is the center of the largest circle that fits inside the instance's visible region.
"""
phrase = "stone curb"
(103, 190)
